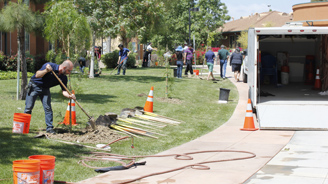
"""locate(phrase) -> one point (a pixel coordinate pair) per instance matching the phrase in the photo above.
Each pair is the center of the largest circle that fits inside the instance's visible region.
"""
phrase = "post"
(70, 115)
(195, 52)
(189, 25)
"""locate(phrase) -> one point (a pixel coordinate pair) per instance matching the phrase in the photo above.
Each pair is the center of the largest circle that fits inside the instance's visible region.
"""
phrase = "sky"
(239, 8)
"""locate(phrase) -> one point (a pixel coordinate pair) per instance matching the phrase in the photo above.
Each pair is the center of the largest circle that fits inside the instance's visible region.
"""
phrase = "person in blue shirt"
(40, 84)
(122, 59)
(209, 56)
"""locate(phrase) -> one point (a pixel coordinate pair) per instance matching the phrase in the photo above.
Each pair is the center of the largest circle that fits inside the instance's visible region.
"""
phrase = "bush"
(12, 75)
(110, 59)
(34, 63)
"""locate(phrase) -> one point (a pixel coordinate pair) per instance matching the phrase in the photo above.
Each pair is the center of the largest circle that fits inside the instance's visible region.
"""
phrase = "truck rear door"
(252, 66)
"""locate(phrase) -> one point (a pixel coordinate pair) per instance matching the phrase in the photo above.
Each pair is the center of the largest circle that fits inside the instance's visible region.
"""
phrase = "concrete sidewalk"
(265, 144)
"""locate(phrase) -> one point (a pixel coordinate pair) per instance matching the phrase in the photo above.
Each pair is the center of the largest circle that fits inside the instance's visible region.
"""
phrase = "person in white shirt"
(147, 55)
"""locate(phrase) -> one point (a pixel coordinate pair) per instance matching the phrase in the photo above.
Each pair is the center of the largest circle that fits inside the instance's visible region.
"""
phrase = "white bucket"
(284, 78)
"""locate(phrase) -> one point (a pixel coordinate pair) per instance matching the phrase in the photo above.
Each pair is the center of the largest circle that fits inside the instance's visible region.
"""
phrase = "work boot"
(51, 131)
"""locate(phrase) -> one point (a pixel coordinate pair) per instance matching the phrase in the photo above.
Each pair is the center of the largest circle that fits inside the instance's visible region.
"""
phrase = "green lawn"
(110, 93)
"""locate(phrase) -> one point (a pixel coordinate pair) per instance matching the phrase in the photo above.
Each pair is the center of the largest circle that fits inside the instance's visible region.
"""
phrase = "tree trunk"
(21, 49)
(91, 75)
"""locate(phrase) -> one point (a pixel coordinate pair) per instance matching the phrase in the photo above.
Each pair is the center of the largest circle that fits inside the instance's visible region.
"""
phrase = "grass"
(110, 93)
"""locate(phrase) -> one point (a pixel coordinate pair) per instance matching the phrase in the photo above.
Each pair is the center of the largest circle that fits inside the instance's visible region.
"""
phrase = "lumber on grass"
(147, 131)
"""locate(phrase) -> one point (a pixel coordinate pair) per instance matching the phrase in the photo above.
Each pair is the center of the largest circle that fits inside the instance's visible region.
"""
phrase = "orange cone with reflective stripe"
(149, 103)
(249, 120)
(67, 115)
(317, 83)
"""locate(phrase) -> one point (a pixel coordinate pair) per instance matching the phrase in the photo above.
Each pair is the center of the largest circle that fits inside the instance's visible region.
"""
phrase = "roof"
(274, 18)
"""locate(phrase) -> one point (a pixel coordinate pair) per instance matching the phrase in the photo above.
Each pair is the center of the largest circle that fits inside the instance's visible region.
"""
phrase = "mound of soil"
(170, 100)
(102, 135)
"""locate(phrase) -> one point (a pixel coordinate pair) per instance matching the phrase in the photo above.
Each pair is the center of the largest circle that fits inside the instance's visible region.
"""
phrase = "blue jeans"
(44, 94)
(179, 69)
(82, 69)
(123, 66)
(223, 68)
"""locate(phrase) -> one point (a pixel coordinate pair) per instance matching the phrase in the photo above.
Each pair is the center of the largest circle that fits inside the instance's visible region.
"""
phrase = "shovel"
(117, 66)
(91, 120)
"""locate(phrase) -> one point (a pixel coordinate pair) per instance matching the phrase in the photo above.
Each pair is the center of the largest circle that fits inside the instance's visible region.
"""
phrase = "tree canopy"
(64, 23)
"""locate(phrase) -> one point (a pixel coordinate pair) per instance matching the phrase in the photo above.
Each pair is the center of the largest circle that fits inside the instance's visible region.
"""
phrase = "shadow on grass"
(21, 146)
(140, 79)
(85, 98)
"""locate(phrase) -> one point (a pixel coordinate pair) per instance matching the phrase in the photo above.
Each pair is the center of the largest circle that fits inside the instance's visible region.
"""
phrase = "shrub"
(10, 63)
(110, 59)
(12, 75)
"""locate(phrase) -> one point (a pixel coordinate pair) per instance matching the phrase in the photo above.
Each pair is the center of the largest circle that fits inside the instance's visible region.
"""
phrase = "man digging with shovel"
(122, 59)
(40, 84)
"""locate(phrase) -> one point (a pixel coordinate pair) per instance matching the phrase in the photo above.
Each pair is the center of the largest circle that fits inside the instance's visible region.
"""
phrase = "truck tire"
(244, 77)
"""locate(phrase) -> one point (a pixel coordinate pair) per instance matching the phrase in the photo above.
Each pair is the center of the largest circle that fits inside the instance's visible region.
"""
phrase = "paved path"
(265, 144)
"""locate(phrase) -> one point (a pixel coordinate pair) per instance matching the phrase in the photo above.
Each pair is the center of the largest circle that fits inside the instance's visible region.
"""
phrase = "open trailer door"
(252, 66)
(296, 105)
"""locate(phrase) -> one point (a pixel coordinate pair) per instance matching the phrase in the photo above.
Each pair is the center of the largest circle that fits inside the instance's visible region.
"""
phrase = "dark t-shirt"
(223, 54)
(82, 61)
(179, 55)
(209, 56)
(236, 58)
(49, 80)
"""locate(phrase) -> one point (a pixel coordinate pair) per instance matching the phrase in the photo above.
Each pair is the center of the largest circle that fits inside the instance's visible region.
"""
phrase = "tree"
(137, 18)
(63, 23)
(243, 39)
(17, 16)
(317, 0)
(211, 16)
(101, 19)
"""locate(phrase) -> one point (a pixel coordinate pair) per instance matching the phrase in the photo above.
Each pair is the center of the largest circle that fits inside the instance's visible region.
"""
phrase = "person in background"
(180, 58)
(188, 59)
(147, 55)
(185, 47)
(122, 59)
(223, 55)
(209, 56)
(82, 64)
(236, 60)
(40, 84)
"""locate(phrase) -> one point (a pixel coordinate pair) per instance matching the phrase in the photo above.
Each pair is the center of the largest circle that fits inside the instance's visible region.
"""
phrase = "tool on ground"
(120, 167)
(156, 115)
(117, 66)
(91, 120)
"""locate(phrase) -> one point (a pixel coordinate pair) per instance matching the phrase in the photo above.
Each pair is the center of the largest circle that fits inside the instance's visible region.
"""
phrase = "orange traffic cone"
(317, 83)
(149, 103)
(67, 115)
(249, 120)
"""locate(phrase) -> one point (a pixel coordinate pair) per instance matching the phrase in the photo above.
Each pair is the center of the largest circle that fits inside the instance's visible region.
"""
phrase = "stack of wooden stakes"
(136, 122)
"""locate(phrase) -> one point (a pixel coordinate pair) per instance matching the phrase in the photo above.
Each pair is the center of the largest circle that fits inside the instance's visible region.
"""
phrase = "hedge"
(110, 59)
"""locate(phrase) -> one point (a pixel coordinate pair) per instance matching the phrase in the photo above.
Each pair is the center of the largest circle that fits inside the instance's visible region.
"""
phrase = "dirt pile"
(102, 135)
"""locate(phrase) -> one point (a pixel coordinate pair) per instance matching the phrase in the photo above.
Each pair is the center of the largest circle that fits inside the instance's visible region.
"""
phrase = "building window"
(134, 46)
(27, 2)
(27, 42)
(232, 41)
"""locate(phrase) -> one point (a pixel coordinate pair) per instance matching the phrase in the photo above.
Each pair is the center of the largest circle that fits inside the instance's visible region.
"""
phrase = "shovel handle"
(69, 93)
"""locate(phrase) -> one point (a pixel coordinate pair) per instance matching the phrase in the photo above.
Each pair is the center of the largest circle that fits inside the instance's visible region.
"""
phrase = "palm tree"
(18, 16)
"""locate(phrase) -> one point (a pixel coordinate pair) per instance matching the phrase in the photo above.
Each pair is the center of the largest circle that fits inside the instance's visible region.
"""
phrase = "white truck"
(293, 105)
